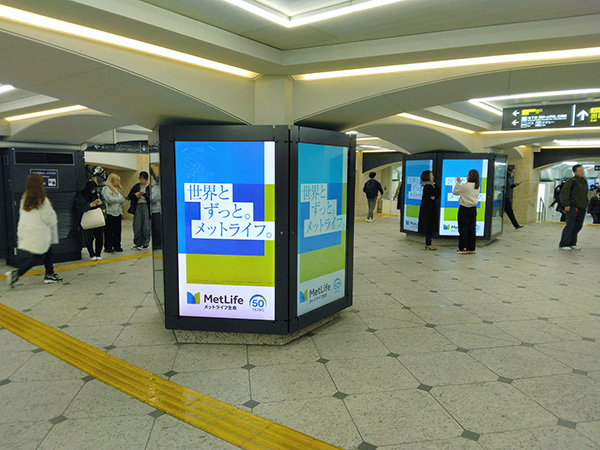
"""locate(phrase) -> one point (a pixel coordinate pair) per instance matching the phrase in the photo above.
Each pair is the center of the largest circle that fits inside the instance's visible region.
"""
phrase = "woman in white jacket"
(467, 212)
(37, 219)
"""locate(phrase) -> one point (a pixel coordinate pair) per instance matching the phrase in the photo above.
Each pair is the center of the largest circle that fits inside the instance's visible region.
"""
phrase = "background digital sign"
(413, 192)
(322, 199)
(226, 229)
(551, 116)
(449, 202)
(500, 173)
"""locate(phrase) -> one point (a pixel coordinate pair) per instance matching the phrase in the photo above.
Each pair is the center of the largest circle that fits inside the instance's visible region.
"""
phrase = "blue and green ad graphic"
(226, 229)
(451, 168)
(322, 199)
(413, 192)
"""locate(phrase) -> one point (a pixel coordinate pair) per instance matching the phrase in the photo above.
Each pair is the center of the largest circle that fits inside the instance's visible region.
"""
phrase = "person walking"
(35, 230)
(89, 198)
(114, 200)
(428, 213)
(467, 212)
(140, 208)
(573, 197)
(372, 188)
(594, 206)
(508, 197)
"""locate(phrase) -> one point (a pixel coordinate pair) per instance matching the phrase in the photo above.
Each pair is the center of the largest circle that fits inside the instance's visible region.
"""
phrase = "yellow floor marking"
(85, 264)
(220, 419)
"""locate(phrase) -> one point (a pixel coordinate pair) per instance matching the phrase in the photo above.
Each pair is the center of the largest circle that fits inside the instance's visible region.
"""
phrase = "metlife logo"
(320, 291)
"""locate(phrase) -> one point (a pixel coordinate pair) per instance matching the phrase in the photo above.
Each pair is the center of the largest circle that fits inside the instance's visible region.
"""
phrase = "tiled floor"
(500, 350)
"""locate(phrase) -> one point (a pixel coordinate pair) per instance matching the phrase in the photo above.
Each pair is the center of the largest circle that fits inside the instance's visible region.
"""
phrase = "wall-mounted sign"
(120, 147)
(50, 177)
(551, 116)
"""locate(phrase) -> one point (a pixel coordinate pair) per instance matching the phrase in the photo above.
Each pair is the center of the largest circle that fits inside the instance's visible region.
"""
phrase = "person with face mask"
(89, 198)
(574, 198)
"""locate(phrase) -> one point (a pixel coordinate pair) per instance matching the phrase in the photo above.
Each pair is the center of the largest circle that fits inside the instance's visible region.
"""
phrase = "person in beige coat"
(37, 224)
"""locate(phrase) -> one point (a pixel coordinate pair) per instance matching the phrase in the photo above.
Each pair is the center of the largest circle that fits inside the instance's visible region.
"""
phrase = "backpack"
(371, 188)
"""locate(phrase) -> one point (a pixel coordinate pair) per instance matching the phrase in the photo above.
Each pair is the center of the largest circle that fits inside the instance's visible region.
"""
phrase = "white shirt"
(34, 228)
(469, 195)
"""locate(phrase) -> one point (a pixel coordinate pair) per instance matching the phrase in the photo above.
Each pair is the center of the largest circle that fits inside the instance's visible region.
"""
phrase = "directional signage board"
(551, 116)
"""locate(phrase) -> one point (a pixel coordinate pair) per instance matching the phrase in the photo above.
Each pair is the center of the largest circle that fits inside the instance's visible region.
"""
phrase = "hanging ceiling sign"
(572, 115)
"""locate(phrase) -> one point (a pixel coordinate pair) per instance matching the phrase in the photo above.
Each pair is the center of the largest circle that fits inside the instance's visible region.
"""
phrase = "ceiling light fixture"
(568, 146)
(368, 139)
(369, 146)
(576, 53)
(6, 88)
(435, 122)
(488, 108)
(48, 112)
(595, 142)
(305, 19)
(539, 94)
(48, 23)
(544, 130)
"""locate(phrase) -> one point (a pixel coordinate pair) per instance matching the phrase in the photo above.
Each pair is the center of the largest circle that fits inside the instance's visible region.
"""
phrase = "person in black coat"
(428, 213)
(594, 206)
(87, 200)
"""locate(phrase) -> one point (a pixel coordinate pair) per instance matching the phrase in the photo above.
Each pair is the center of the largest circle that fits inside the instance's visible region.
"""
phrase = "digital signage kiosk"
(256, 236)
(446, 166)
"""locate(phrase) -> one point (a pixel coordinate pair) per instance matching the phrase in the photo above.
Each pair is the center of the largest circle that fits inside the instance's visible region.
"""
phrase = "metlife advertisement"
(322, 198)
(226, 229)
(451, 168)
(413, 192)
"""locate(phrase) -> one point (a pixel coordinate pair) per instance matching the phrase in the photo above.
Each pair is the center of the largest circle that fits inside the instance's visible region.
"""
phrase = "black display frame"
(286, 140)
(438, 161)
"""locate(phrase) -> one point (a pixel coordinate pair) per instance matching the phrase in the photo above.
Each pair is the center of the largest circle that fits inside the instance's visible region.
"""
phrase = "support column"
(525, 197)
(273, 100)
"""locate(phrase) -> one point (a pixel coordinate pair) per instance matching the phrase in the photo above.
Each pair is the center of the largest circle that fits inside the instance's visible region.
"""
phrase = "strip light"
(488, 108)
(48, 112)
(589, 52)
(568, 146)
(593, 142)
(305, 19)
(435, 122)
(6, 88)
(367, 139)
(543, 130)
(48, 23)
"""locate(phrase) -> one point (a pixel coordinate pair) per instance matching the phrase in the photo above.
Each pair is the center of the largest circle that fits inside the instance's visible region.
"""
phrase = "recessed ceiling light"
(538, 94)
(48, 23)
(577, 141)
(368, 139)
(568, 146)
(488, 108)
(435, 122)
(6, 88)
(351, 132)
(543, 130)
(48, 112)
(305, 19)
(576, 53)
(369, 146)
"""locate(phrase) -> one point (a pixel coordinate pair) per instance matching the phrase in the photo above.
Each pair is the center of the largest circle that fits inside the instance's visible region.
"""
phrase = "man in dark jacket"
(573, 197)
(508, 197)
(372, 189)
(140, 208)
(594, 207)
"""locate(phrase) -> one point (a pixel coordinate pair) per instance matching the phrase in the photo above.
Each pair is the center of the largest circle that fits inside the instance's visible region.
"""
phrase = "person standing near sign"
(594, 207)
(37, 223)
(372, 188)
(90, 199)
(508, 197)
(467, 212)
(428, 213)
(140, 208)
(573, 197)
(111, 193)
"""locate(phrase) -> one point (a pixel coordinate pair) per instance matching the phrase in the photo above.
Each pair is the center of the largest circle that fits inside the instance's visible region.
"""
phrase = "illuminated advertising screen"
(322, 194)
(413, 191)
(451, 168)
(226, 229)
(500, 172)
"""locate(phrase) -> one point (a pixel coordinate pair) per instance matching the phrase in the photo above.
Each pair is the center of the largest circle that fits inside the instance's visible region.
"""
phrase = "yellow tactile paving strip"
(220, 419)
(85, 264)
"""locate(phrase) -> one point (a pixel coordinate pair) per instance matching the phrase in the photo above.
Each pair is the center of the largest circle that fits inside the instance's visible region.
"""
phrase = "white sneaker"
(98, 258)
(11, 278)
(135, 247)
(94, 258)
(566, 249)
(574, 247)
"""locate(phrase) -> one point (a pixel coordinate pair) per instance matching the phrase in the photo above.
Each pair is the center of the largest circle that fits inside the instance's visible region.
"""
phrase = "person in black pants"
(508, 197)
(90, 199)
(467, 212)
(428, 213)
(594, 207)
(574, 198)
(111, 194)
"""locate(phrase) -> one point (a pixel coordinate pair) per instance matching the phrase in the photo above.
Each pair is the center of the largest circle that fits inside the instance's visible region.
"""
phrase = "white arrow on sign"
(516, 112)
(582, 114)
(515, 122)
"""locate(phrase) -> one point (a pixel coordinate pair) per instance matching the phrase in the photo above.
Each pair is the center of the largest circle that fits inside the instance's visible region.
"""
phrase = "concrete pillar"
(525, 197)
(360, 202)
(273, 100)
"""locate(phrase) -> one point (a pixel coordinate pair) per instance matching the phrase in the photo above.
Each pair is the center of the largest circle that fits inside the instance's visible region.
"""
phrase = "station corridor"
(498, 350)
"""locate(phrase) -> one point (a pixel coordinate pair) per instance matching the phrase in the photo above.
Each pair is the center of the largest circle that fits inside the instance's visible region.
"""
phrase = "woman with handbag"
(111, 193)
(92, 219)
(37, 220)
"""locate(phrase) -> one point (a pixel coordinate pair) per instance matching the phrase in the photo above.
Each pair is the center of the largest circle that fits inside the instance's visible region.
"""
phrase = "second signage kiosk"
(257, 231)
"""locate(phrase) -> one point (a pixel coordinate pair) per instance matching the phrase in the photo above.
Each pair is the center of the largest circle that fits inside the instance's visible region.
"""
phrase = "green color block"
(412, 210)
(322, 262)
(269, 203)
(232, 269)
